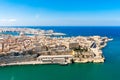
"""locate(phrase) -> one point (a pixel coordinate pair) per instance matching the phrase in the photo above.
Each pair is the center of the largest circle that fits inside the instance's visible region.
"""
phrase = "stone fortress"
(41, 48)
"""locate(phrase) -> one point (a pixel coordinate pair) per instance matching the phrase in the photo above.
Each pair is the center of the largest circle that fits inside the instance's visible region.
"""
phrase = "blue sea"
(109, 70)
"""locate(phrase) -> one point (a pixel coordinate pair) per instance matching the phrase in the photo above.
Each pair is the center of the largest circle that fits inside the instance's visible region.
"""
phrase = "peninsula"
(41, 48)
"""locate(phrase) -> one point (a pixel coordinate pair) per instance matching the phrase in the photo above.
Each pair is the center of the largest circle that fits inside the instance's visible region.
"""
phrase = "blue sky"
(60, 12)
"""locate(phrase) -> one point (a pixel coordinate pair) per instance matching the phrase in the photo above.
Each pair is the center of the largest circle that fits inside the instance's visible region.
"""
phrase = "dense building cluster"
(46, 49)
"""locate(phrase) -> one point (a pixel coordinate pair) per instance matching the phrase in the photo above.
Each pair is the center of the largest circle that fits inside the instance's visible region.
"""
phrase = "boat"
(63, 63)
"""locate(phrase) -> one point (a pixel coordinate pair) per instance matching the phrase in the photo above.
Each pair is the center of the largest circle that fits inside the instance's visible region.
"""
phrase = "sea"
(109, 70)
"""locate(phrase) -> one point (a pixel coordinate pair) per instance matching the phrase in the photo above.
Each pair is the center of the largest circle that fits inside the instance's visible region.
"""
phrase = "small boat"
(63, 63)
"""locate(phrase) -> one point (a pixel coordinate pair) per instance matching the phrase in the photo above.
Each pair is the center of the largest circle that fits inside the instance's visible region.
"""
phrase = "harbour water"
(109, 70)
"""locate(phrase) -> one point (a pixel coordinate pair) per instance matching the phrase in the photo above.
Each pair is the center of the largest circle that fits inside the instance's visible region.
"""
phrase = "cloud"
(7, 20)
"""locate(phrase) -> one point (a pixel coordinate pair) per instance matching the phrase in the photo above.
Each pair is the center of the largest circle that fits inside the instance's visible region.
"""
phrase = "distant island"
(33, 46)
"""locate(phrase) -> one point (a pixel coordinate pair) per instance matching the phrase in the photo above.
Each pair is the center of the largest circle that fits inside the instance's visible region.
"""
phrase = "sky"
(59, 12)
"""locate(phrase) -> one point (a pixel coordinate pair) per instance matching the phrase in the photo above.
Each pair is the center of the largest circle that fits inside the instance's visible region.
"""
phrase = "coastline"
(41, 49)
(23, 63)
(108, 70)
(39, 63)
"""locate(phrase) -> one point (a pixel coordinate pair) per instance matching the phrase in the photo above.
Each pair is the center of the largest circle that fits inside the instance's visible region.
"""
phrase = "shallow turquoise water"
(110, 70)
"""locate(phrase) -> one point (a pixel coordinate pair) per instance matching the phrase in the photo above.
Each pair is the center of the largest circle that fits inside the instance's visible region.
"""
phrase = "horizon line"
(63, 26)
